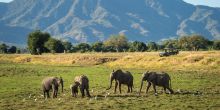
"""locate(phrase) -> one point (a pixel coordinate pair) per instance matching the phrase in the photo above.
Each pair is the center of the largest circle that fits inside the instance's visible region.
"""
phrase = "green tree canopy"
(36, 41)
(152, 46)
(117, 42)
(67, 46)
(170, 43)
(193, 42)
(12, 49)
(137, 46)
(98, 46)
(54, 46)
(3, 48)
(83, 47)
(216, 45)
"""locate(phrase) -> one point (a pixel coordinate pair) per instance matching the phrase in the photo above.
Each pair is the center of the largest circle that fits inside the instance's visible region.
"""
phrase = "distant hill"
(92, 20)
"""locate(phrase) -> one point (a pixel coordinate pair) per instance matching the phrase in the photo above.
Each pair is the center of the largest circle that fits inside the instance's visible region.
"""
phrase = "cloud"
(142, 30)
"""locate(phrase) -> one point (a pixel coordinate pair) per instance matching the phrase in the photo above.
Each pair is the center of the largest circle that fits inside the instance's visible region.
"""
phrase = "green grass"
(18, 81)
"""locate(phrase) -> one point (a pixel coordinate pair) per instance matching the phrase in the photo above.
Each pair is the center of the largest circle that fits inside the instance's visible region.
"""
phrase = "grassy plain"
(195, 78)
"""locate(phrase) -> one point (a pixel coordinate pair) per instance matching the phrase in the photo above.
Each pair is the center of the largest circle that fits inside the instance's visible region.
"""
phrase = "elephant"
(156, 79)
(83, 83)
(53, 83)
(121, 77)
(74, 89)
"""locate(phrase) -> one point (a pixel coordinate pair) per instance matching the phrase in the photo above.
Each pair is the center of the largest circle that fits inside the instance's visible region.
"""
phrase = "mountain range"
(95, 20)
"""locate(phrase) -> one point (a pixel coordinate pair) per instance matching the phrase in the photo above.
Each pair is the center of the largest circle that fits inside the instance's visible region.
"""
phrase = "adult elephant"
(51, 83)
(120, 78)
(156, 79)
(83, 83)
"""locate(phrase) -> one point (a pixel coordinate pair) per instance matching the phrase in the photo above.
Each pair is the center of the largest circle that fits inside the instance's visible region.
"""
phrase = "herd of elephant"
(82, 82)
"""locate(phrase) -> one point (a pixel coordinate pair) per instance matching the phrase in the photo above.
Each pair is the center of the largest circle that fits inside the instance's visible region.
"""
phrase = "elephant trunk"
(110, 84)
(141, 86)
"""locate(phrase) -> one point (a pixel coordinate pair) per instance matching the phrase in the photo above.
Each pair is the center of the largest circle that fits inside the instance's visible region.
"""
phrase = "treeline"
(5, 49)
(40, 42)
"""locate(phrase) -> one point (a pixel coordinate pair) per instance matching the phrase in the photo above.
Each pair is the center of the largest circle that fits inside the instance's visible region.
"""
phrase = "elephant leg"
(171, 91)
(131, 89)
(72, 92)
(120, 88)
(128, 88)
(48, 95)
(56, 94)
(87, 92)
(116, 85)
(82, 91)
(44, 94)
(164, 88)
(148, 86)
(53, 94)
(154, 86)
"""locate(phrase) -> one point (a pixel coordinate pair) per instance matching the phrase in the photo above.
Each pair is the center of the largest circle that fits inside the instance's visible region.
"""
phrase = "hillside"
(90, 21)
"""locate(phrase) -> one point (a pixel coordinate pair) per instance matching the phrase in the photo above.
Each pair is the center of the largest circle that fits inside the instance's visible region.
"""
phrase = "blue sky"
(212, 3)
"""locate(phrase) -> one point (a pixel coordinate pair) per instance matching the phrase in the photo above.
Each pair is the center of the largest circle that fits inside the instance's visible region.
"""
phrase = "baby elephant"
(51, 83)
(157, 79)
(83, 83)
(74, 89)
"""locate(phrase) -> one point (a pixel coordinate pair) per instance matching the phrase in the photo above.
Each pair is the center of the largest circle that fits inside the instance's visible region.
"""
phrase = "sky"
(212, 3)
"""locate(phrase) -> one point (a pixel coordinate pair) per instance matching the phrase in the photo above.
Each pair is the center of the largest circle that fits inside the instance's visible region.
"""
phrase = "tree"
(67, 46)
(12, 49)
(170, 43)
(18, 51)
(152, 46)
(54, 46)
(98, 46)
(3, 48)
(118, 43)
(137, 46)
(216, 45)
(193, 42)
(83, 47)
(36, 41)
(184, 43)
(198, 42)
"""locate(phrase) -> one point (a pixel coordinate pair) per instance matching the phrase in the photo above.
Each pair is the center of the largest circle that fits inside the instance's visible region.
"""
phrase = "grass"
(199, 87)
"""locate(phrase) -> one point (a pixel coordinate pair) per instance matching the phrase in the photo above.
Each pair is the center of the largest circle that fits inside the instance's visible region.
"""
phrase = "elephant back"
(123, 74)
(81, 79)
(124, 77)
(47, 83)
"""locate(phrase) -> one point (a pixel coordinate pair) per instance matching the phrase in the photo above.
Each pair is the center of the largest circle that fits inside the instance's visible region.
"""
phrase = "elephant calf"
(74, 89)
(51, 83)
(83, 83)
(157, 79)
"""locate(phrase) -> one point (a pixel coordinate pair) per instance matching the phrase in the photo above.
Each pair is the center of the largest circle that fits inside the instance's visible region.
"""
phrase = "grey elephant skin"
(156, 79)
(120, 78)
(83, 83)
(51, 83)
